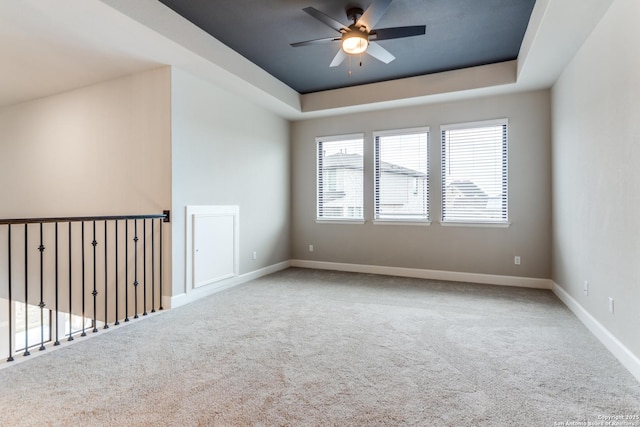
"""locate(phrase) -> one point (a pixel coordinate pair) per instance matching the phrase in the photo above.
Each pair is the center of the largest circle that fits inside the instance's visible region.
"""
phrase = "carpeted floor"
(315, 348)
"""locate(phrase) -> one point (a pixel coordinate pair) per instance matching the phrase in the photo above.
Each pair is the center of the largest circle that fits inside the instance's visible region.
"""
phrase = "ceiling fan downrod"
(354, 13)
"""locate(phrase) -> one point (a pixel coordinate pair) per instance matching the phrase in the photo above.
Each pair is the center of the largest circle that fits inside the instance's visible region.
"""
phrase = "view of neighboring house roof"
(354, 161)
(400, 170)
(467, 189)
(342, 161)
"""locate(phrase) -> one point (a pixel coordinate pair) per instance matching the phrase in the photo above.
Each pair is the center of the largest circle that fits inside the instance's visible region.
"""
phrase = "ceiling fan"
(361, 36)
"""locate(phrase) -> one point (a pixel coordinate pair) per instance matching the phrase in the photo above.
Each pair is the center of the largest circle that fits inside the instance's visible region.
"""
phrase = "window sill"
(475, 224)
(339, 221)
(400, 222)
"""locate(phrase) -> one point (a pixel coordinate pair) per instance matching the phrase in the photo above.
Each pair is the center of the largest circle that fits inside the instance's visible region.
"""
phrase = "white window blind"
(340, 177)
(474, 172)
(401, 175)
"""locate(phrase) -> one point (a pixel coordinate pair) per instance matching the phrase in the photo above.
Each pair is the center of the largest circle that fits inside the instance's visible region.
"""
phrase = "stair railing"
(95, 270)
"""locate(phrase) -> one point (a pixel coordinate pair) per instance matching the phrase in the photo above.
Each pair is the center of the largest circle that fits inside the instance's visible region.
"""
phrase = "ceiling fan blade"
(316, 41)
(372, 15)
(380, 53)
(337, 60)
(326, 19)
(398, 32)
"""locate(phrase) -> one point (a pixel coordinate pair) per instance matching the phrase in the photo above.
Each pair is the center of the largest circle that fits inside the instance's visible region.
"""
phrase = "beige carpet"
(311, 348)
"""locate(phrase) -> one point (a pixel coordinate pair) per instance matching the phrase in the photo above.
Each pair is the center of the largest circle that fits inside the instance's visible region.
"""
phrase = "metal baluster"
(153, 269)
(106, 282)
(144, 267)
(126, 270)
(57, 310)
(10, 358)
(117, 322)
(41, 305)
(83, 334)
(135, 266)
(70, 287)
(26, 291)
(161, 265)
(94, 243)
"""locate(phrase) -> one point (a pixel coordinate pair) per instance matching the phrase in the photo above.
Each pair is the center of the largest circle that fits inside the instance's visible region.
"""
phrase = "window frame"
(504, 211)
(319, 204)
(415, 220)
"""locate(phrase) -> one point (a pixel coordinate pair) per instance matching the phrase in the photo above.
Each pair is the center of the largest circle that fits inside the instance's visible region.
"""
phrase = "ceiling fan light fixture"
(355, 42)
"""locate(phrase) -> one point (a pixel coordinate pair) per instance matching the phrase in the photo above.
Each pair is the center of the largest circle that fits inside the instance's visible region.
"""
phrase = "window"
(402, 175)
(340, 177)
(474, 172)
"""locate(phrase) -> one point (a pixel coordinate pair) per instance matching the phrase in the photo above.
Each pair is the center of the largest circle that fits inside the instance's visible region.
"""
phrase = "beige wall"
(457, 249)
(103, 149)
(99, 150)
(596, 186)
(125, 146)
(227, 151)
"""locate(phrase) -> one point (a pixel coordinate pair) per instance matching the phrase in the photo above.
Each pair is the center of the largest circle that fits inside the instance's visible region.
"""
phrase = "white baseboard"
(196, 294)
(488, 279)
(264, 271)
(613, 344)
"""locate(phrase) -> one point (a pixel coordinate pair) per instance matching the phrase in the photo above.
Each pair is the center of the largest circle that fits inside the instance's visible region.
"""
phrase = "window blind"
(401, 175)
(474, 172)
(340, 177)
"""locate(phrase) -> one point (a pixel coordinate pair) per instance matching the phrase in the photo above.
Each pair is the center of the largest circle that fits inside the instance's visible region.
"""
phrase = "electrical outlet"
(611, 305)
(255, 255)
(310, 248)
(516, 260)
(585, 289)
